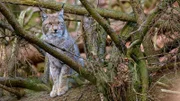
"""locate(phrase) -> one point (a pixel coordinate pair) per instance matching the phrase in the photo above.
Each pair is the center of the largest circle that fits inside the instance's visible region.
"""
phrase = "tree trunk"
(46, 75)
(95, 45)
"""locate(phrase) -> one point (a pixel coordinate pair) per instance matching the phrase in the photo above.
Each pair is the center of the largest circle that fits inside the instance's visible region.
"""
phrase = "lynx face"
(53, 23)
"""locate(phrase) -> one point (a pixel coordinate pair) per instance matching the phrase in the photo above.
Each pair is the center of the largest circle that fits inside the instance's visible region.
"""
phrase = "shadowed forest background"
(130, 49)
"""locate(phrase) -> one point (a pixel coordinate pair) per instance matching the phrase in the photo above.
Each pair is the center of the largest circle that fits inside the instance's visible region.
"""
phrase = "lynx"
(55, 33)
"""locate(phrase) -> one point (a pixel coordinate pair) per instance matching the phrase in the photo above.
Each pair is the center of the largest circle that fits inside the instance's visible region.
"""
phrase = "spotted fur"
(56, 34)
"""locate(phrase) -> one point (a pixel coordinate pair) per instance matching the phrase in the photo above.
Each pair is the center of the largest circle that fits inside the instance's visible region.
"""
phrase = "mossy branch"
(22, 33)
(73, 9)
(141, 64)
(23, 83)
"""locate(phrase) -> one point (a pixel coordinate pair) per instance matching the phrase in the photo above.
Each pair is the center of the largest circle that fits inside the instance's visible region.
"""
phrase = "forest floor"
(83, 93)
(166, 86)
(89, 92)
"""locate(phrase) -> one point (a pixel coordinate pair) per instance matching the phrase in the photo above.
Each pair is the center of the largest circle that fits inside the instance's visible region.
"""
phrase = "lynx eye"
(50, 23)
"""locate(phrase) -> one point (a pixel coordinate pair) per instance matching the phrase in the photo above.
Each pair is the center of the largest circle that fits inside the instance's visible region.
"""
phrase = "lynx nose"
(55, 30)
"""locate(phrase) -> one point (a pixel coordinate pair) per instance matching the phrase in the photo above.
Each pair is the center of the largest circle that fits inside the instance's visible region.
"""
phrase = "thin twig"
(170, 91)
(162, 84)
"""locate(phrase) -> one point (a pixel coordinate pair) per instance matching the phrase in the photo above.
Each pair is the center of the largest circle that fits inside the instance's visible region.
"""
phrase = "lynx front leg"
(63, 80)
(55, 72)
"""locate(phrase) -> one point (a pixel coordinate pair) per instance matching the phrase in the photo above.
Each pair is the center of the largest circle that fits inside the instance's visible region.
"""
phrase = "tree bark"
(90, 37)
(94, 39)
(11, 59)
(46, 75)
(95, 44)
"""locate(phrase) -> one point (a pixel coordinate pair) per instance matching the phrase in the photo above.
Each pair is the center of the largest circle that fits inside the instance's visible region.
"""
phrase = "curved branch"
(22, 33)
(73, 9)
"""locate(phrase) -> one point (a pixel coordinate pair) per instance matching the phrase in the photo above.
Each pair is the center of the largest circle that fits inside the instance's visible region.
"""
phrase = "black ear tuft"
(63, 6)
(44, 16)
(61, 13)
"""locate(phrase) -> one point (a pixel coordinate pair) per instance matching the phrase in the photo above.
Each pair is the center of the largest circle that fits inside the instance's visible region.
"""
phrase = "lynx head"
(53, 23)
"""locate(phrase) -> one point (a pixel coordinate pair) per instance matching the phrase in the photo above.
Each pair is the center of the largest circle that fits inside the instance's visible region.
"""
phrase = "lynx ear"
(44, 16)
(61, 13)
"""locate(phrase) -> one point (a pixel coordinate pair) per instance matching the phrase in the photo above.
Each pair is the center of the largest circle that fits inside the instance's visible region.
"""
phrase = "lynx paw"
(53, 94)
(62, 90)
